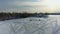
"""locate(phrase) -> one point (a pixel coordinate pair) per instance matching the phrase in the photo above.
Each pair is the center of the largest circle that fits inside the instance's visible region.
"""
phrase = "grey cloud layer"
(12, 5)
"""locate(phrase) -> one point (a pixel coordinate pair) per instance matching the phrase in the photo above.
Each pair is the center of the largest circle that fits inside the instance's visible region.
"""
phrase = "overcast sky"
(27, 6)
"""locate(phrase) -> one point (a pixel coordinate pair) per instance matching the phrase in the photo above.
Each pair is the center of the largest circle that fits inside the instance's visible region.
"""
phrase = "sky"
(30, 6)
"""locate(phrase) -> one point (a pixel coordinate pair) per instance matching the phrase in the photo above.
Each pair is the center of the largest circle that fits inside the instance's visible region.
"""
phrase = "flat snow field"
(31, 25)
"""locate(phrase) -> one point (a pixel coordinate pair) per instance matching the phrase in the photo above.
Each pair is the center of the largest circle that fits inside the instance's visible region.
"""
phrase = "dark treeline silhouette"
(7, 16)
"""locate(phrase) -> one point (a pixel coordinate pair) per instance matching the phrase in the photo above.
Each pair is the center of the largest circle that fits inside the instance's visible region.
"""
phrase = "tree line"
(17, 15)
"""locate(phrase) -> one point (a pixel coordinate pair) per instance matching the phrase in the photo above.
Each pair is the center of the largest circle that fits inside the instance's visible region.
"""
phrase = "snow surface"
(31, 25)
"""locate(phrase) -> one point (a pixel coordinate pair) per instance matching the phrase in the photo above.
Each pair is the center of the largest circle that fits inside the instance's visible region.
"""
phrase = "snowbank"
(31, 25)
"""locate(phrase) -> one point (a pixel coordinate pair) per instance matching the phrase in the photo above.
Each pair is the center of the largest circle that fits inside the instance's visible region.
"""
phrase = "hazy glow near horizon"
(51, 5)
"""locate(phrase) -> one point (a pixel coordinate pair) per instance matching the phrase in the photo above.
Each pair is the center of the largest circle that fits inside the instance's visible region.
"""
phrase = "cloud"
(14, 3)
(22, 5)
(19, 3)
(27, 0)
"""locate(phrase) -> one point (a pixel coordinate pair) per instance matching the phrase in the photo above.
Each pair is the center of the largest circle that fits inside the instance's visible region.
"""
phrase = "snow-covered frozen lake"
(31, 25)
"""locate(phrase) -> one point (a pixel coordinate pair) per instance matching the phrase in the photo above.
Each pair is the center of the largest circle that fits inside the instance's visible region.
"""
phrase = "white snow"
(31, 25)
